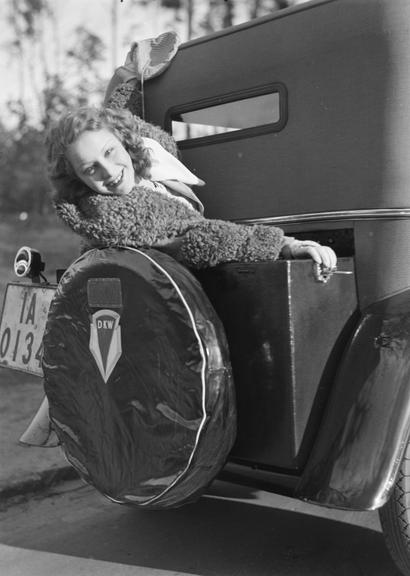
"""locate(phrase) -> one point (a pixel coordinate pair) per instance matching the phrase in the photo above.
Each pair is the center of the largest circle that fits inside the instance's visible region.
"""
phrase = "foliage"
(83, 60)
(23, 185)
(175, 4)
(86, 53)
(23, 182)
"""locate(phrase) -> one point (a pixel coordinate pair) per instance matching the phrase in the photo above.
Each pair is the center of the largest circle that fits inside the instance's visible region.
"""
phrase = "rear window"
(229, 117)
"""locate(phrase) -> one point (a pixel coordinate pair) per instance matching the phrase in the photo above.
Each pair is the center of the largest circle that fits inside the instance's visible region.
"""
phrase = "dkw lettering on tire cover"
(105, 340)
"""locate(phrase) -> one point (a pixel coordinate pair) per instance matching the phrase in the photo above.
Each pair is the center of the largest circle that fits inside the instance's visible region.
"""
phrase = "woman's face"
(101, 161)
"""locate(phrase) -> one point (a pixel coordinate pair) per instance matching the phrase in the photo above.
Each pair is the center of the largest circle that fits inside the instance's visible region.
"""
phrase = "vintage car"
(267, 374)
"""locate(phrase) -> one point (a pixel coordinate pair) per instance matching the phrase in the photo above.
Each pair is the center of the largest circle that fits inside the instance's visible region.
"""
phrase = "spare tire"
(138, 378)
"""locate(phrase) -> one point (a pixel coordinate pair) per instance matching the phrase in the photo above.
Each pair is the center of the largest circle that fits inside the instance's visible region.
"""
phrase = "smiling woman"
(101, 162)
(94, 147)
(117, 187)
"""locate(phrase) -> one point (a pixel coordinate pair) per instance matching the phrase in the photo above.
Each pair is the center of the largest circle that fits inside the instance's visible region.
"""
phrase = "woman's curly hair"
(129, 130)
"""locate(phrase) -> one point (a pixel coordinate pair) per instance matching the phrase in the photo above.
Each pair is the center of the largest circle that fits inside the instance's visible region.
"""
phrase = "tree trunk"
(254, 13)
(228, 14)
(114, 33)
(19, 43)
(190, 16)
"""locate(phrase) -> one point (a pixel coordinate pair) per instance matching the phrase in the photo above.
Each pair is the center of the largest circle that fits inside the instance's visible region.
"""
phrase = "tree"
(83, 66)
(23, 182)
(264, 7)
(57, 98)
(23, 185)
(28, 21)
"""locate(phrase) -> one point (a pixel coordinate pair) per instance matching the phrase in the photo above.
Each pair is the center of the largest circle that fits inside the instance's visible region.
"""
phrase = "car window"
(240, 112)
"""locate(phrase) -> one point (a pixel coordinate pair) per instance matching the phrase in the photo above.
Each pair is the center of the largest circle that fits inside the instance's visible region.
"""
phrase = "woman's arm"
(212, 242)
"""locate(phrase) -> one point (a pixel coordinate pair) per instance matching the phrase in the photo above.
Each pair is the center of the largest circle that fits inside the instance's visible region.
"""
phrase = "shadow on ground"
(216, 536)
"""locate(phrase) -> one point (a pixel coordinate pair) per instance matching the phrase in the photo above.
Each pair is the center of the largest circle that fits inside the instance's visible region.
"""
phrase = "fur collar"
(142, 218)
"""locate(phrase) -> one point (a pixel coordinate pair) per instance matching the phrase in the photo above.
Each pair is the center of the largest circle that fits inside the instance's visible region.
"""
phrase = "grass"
(56, 243)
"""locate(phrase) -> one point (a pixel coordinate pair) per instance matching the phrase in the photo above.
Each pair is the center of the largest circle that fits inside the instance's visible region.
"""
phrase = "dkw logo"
(105, 340)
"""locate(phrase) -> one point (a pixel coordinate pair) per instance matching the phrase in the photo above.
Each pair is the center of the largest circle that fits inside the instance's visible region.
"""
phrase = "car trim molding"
(373, 214)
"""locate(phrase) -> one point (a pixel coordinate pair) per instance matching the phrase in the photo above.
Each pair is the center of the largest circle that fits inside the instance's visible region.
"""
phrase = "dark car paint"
(366, 425)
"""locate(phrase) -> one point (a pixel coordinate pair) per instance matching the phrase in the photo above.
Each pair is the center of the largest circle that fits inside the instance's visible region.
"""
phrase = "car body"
(331, 165)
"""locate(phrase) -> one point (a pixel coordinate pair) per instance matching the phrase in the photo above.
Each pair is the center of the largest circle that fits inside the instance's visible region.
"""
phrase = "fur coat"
(149, 219)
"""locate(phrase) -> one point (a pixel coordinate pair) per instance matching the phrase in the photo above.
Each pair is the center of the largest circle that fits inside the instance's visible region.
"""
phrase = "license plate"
(25, 310)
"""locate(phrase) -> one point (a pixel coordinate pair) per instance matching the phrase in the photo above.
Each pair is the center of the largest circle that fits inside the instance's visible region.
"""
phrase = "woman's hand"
(322, 255)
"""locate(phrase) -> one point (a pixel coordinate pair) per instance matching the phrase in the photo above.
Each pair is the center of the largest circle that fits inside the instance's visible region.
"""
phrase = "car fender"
(365, 430)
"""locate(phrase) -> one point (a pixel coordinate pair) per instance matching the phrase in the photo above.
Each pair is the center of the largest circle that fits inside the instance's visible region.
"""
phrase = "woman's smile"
(117, 181)
(100, 161)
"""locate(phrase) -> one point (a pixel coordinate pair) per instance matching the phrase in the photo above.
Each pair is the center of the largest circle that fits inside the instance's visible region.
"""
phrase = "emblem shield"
(105, 340)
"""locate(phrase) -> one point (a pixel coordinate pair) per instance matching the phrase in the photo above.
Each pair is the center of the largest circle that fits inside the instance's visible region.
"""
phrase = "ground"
(73, 530)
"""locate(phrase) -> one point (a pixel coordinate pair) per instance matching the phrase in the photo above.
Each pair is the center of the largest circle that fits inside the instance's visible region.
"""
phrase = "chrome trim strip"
(376, 213)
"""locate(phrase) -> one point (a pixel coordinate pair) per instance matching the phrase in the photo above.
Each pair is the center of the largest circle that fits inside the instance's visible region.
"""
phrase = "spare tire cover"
(138, 377)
